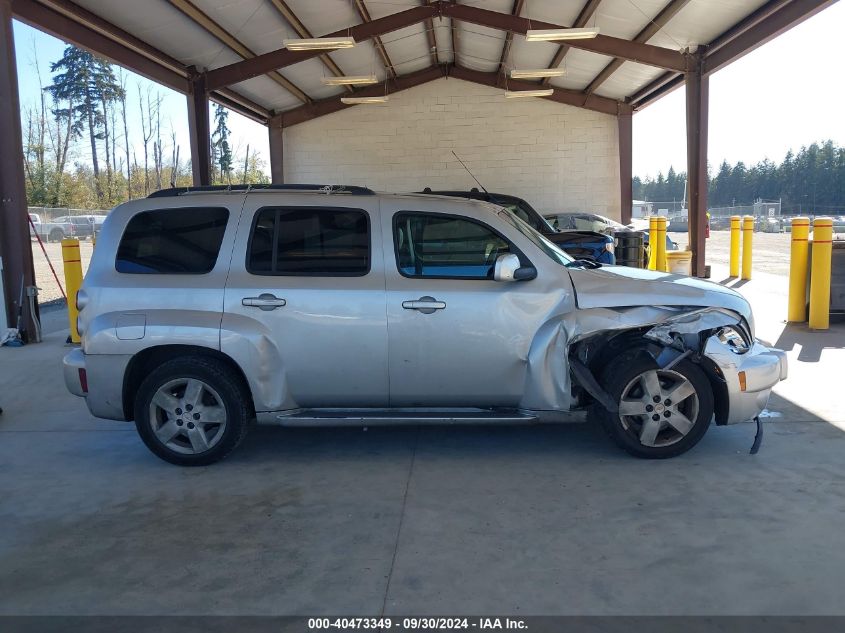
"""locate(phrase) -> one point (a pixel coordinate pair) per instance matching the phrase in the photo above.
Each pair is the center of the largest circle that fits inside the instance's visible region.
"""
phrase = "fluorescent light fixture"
(350, 80)
(537, 73)
(318, 43)
(555, 35)
(362, 100)
(515, 94)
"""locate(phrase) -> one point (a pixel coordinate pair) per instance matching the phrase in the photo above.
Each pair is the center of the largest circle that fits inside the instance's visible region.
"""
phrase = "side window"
(310, 241)
(445, 246)
(183, 241)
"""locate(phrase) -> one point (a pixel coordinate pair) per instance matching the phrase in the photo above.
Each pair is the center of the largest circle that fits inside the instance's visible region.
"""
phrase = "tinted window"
(310, 241)
(445, 246)
(172, 241)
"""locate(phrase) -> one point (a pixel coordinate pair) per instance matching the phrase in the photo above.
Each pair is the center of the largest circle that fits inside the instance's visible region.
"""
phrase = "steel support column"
(15, 244)
(199, 129)
(277, 155)
(698, 92)
(626, 151)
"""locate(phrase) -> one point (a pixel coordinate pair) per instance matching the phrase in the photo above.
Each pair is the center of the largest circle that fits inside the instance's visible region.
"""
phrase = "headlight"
(608, 247)
(735, 338)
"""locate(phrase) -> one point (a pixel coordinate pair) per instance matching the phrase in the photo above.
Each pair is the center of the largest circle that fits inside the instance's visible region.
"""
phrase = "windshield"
(527, 214)
(543, 243)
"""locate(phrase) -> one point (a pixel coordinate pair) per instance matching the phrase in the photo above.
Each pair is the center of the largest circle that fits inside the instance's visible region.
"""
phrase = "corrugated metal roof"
(260, 27)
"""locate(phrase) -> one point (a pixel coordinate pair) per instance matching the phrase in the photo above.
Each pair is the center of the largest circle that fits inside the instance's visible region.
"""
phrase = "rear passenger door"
(307, 278)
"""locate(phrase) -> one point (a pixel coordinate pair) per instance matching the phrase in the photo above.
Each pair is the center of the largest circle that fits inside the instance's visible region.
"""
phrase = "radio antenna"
(470, 173)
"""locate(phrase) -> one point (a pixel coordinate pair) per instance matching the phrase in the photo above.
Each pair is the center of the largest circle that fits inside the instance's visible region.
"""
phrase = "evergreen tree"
(85, 84)
(220, 143)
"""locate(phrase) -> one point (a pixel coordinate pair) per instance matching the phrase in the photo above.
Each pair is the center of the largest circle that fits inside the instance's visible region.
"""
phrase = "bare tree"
(126, 137)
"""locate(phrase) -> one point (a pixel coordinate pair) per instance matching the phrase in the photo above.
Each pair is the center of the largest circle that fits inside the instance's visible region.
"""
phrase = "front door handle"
(426, 305)
(263, 302)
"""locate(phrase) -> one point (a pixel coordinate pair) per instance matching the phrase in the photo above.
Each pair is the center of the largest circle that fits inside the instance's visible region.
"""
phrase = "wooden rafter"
(74, 24)
(200, 18)
(584, 17)
(364, 14)
(506, 48)
(301, 30)
(650, 30)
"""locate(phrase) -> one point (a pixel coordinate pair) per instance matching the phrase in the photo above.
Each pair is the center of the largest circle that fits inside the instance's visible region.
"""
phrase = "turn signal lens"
(742, 381)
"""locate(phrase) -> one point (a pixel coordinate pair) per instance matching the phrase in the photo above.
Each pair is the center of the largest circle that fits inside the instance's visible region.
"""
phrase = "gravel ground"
(770, 251)
(49, 290)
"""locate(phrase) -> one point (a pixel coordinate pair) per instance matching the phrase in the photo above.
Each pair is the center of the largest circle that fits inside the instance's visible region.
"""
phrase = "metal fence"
(49, 214)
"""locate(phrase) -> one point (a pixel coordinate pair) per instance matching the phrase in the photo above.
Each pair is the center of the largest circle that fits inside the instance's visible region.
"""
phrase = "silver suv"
(206, 309)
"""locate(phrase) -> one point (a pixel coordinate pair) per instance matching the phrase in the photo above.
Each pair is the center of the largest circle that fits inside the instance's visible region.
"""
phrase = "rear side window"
(183, 241)
(310, 241)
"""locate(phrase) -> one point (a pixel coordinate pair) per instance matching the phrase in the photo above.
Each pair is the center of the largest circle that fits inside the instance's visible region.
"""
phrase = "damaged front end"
(741, 370)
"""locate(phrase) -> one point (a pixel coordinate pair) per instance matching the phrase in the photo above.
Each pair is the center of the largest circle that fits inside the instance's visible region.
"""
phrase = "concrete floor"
(524, 521)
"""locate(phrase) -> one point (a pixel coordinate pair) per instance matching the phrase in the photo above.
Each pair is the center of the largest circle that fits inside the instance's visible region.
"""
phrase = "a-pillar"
(15, 244)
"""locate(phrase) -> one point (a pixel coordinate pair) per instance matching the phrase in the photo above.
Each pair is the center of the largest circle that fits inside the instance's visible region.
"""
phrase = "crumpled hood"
(618, 286)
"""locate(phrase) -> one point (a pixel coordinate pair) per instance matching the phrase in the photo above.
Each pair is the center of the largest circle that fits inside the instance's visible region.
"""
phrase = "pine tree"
(86, 83)
(220, 143)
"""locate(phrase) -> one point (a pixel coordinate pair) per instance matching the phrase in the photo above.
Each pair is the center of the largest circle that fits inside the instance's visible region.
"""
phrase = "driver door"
(456, 337)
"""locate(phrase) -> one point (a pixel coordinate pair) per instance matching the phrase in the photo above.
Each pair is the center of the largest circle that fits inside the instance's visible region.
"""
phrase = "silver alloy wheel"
(658, 407)
(187, 416)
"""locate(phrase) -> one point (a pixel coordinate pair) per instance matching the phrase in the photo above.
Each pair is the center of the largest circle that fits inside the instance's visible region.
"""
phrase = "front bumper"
(763, 367)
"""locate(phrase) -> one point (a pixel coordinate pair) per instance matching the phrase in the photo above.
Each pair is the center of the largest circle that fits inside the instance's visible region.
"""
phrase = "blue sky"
(786, 94)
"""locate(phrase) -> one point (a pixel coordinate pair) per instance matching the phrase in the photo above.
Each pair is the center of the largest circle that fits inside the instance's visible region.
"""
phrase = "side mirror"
(509, 268)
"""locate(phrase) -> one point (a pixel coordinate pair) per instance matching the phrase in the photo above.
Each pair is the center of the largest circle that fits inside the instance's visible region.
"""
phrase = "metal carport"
(209, 50)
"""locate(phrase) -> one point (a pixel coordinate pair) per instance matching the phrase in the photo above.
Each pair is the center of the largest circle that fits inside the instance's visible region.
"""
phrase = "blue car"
(588, 245)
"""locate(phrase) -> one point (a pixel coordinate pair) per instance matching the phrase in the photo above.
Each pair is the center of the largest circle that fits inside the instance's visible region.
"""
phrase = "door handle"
(263, 302)
(426, 305)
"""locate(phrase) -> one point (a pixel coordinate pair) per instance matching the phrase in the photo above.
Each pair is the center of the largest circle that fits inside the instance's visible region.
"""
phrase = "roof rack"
(328, 189)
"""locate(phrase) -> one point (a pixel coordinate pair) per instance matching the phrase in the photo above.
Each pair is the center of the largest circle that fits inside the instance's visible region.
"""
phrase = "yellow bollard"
(820, 274)
(747, 237)
(661, 263)
(652, 242)
(736, 221)
(797, 311)
(73, 281)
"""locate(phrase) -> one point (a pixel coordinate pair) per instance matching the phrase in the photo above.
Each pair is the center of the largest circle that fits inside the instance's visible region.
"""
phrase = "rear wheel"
(662, 413)
(56, 235)
(192, 411)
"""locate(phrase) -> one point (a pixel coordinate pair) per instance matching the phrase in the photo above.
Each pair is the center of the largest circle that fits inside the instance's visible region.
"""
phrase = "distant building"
(640, 209)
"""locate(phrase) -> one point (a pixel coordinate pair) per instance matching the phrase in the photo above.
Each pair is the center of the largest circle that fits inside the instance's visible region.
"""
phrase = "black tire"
(56, 235)
(619, 376)
(233, 394)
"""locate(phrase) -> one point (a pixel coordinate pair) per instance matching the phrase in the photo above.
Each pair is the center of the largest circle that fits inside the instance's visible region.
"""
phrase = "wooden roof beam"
(196, 15)
(364, 14)
(301, 30)
(604, 44)
(506, 49)
(581, 21)
(650, 30)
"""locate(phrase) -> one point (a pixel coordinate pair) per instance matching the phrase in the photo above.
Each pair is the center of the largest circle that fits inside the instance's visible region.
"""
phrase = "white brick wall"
(555, 156)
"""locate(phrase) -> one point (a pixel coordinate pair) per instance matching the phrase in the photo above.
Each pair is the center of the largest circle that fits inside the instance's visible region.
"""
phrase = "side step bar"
(394, 417)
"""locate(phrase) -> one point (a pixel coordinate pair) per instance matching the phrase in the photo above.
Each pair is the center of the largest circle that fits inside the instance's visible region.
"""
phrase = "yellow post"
(820, 274)
(661, 263)
(735, 233)
(797, 311)
(652, 242)
(73, 281)
(747, 237)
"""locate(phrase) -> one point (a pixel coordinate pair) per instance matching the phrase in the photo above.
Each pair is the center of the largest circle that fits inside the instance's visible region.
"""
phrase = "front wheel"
(56, 235)
(192, 411)
(662, 413)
